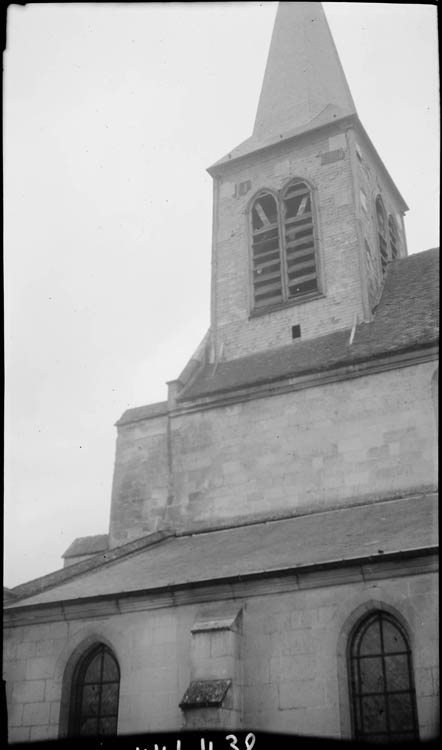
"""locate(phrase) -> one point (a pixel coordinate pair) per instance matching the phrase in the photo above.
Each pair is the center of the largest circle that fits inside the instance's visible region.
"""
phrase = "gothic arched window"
(381, 681)
(300, 254)
(95, 693)
(394, 237)
(283, 246)
(266, 254)
(382, 233)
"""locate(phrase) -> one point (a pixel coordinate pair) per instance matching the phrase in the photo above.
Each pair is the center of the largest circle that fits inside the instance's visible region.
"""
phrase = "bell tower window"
(299, 240)
(382, 233)
(283, 246)
(266, 254)
(394, 238)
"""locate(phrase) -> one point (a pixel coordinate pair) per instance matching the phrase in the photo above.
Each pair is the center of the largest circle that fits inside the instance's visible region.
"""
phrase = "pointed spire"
(303, 76)
(304, 84)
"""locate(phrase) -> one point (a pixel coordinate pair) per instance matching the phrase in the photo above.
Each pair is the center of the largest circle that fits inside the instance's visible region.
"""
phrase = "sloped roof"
(303, 74)
(304, 85)
(158, 409)
(330, 114)
(87, 545)
(8, 596)
(407, 317)
(331, 536)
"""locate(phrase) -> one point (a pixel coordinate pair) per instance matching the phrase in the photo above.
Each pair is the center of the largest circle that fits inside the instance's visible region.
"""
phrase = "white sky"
(112, 114)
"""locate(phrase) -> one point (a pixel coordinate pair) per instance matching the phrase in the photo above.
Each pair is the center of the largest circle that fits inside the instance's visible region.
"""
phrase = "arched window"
(283, 254)
(300, 255)
(95, 693)
(382, 233)
(394, 237)
(381, 681)
(266, 255)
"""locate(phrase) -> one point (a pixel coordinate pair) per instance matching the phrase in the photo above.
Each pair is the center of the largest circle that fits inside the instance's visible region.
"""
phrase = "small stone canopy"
(87, 545)
(213, 620)
(205, 693)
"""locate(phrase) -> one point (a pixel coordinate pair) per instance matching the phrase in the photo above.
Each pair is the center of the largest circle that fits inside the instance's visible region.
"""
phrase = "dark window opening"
(381, 681)
(95, 694)
(296, 332)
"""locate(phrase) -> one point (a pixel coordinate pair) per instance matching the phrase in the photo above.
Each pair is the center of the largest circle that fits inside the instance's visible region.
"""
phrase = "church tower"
(307, 256)
(271, 562)
(306, 216)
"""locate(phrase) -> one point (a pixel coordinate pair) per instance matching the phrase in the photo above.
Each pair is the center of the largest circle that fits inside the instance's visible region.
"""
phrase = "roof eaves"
(293, 569)
(337, 366)
(259, 148)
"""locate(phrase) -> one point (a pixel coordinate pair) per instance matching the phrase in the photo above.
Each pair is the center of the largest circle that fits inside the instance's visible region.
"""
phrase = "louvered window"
(382, 233)
(266, 254)
(381, 681)
(299, 241)
(283, 247)
(95, 693)
(394, 238)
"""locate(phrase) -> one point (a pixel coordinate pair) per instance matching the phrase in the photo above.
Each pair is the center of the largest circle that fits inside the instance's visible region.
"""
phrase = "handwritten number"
(233, 744)
(249, 741)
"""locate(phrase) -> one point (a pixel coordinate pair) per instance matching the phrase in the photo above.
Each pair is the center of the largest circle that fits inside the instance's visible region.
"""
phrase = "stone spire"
(304, 78)
(304, 84)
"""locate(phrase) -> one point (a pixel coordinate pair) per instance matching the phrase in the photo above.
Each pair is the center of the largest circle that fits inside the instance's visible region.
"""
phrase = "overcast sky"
(112, 114)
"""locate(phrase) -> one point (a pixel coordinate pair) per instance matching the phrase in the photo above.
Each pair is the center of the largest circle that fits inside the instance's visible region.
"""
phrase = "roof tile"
(87, 545)
(323, 537)
(407, 317)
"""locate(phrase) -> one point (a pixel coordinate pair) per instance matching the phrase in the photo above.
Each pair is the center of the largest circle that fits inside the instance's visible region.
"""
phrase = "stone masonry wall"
(337, 245)
(355, 440)
(141, 480)
(294, 672)
(373, 184)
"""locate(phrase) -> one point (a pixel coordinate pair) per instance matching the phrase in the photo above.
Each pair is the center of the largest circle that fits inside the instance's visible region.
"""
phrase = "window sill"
(283, 305)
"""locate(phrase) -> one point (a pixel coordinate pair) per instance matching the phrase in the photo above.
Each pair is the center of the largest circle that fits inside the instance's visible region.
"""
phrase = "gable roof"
(339, 535)
(407, 318)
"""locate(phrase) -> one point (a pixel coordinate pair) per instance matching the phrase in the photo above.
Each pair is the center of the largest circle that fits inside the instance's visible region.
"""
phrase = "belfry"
(271, 556)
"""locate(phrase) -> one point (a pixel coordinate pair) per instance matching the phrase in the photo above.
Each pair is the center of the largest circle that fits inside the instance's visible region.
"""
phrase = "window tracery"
(381, 681)
(284, 263)
(95, 694)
